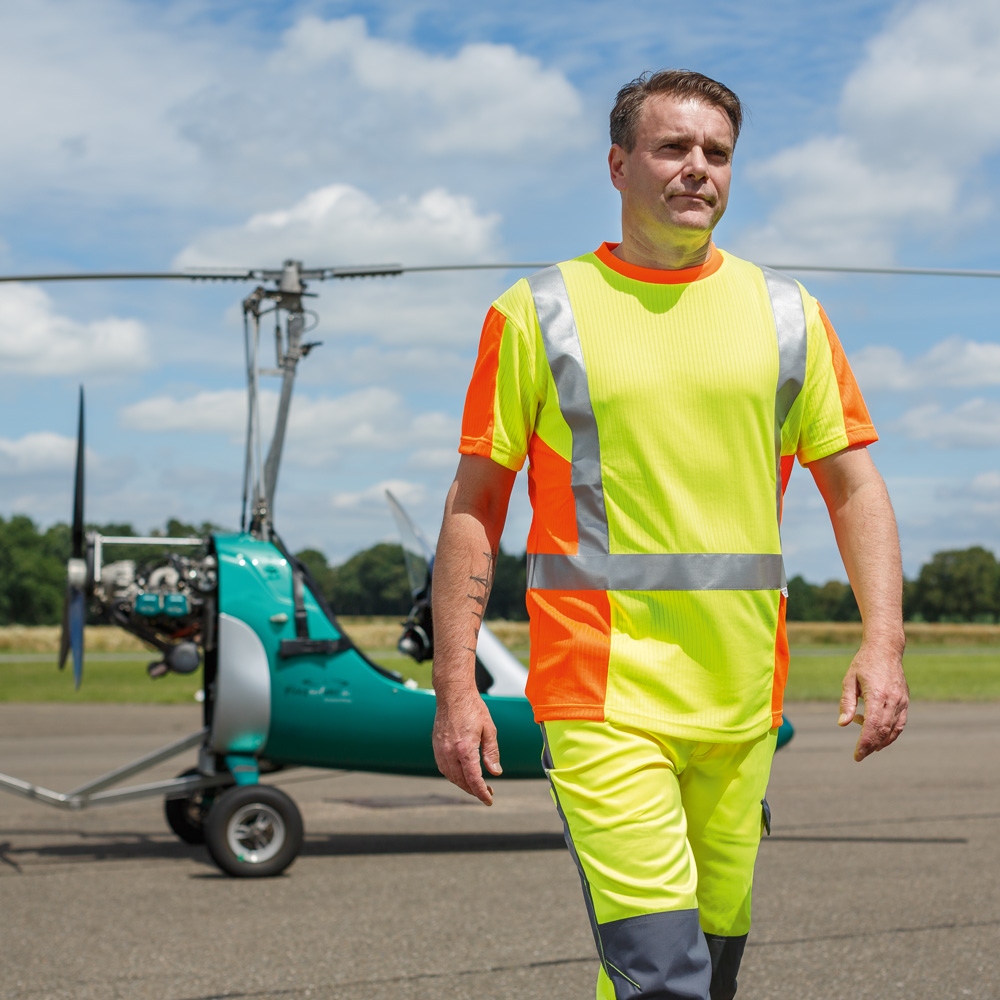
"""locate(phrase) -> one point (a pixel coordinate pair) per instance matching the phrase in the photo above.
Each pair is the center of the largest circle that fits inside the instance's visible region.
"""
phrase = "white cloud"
(406, 492)
(987, 485)
(36, 340)
(164, 104)
(340, 224)
(917, 120)
(973, 424)
(434, 458)
(319, 428)
(222, 411)
(485, 99)
(38, 453)
(953, 362)
(96, 84)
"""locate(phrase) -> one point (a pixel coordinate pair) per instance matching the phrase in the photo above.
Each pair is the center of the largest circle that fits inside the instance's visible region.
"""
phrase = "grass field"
(944, 674)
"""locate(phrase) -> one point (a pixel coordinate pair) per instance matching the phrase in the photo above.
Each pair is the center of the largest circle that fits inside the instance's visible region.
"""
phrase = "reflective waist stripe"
(655, 571)
(594, 567)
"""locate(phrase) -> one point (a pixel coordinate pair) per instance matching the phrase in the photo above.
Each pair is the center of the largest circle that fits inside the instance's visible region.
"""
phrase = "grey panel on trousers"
(727, 953)
(657, 956)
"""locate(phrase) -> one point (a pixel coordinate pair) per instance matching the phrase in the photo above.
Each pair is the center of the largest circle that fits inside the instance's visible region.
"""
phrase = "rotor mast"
(261, 479)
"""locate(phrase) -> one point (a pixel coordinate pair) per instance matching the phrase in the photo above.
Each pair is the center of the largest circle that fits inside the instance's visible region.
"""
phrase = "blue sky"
(156, 134)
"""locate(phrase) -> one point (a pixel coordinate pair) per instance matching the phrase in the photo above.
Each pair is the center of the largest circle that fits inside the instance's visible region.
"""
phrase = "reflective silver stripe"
(565, 357)
(790, 325)
(595, 568)
(655, 571)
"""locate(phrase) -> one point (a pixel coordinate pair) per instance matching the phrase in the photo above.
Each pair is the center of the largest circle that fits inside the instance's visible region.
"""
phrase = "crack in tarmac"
(952, 926)
(960, 817)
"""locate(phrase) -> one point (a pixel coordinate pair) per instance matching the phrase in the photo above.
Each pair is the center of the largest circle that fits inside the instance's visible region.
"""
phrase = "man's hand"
(877, 676)
(463, 729)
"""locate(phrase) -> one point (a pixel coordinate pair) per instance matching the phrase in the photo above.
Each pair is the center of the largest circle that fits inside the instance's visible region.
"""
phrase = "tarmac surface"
(881, 879)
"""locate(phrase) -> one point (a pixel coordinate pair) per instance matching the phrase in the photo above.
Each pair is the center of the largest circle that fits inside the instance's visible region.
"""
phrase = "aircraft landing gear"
(186, 816)
(253, 831)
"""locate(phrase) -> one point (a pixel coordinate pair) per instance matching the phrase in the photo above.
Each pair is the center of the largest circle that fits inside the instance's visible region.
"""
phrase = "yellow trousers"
(665, 835)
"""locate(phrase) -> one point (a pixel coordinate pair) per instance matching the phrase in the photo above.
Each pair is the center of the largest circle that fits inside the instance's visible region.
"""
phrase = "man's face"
(675, 182)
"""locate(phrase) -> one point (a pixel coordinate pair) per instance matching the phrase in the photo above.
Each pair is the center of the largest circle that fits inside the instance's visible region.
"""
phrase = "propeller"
(417, 551)
(75, 602)
(417, 639)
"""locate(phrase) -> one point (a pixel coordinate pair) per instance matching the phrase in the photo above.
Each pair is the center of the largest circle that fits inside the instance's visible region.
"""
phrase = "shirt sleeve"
(502, 401)
(831, 413)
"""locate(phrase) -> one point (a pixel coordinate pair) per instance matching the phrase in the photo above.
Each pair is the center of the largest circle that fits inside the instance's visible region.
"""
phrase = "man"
(661, 389)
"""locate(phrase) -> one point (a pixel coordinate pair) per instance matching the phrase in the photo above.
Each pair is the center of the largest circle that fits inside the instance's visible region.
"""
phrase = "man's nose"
(695, 164)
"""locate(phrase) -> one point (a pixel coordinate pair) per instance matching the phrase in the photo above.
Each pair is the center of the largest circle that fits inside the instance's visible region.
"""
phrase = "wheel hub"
(255, 833)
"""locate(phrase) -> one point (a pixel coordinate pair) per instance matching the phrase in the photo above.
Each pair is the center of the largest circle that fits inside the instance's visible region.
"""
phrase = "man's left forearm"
(865, 528)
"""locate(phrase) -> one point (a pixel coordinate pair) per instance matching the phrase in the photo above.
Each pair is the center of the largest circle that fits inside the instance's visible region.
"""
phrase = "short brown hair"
(676, 83)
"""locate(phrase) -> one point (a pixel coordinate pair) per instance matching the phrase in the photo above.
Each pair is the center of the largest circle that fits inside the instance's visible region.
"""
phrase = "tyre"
(253, 831)
(186, 817)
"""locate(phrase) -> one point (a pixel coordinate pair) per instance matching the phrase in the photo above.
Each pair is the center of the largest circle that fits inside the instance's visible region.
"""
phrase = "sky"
(154, 134)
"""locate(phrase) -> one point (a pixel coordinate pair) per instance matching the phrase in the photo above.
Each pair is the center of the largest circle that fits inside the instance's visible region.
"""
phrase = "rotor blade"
(64, 632)
(77, 531)
(77, 616)
(417, 552)
(390, 270)
(206, 274)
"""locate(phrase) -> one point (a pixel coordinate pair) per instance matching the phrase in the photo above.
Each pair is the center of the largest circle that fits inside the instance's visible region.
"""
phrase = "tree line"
(961, 585)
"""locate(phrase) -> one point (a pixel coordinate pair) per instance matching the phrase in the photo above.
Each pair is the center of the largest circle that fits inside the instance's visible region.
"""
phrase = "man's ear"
(617, 162)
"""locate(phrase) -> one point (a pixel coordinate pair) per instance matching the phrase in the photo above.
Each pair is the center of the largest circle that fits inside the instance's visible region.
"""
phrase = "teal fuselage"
(328, 710)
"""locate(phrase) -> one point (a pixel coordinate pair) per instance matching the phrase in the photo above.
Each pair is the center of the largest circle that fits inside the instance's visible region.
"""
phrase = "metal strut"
(95, 792)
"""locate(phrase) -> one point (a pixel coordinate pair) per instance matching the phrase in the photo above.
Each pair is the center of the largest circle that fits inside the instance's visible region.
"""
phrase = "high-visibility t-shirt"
(682, 368)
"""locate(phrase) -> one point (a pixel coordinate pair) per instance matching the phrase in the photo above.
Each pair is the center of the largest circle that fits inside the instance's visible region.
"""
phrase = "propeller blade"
(75, 601)
(417, 551)
(77, 531)
(64, 633)
(77, 616)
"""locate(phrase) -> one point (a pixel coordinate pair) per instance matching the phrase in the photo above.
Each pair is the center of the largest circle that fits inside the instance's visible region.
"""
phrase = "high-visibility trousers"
(665, 834)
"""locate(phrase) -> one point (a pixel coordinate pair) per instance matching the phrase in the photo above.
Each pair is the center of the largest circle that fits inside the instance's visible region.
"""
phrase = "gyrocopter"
(284, 685)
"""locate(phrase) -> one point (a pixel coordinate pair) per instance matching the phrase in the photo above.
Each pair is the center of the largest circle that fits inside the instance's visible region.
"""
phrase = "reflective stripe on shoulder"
(569, 372)
(790, 326)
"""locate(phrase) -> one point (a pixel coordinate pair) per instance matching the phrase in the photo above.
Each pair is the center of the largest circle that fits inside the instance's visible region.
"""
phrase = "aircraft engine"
(169, 603)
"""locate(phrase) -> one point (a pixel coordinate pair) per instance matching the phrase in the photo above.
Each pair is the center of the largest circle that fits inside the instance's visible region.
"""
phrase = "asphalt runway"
(881, 880)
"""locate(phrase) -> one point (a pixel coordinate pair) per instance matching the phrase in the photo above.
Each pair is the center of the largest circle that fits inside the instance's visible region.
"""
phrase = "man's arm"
(865, 527)
(474, 516)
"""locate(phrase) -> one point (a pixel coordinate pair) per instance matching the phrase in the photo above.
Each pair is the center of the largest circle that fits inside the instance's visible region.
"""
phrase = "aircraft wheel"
(186, 817)
(253, 831)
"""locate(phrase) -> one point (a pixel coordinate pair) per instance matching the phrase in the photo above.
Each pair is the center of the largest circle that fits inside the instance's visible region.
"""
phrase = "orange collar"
(655, 275)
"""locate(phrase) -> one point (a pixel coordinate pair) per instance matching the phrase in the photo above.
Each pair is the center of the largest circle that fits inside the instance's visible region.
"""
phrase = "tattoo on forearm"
(481, 587)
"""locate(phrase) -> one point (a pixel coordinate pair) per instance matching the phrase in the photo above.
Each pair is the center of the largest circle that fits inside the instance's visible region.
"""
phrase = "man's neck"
(673, 257)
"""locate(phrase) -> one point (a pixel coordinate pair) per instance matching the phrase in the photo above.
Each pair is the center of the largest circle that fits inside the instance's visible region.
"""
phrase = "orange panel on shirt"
(477, 418)
(857, 422)
(780, 665)
(550, 488)
(570, 650)
(787, 464)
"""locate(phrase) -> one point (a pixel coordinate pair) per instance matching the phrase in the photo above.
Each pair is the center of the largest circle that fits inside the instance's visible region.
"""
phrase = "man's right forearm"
(467, 549)
(463, 576)
(463, 579)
